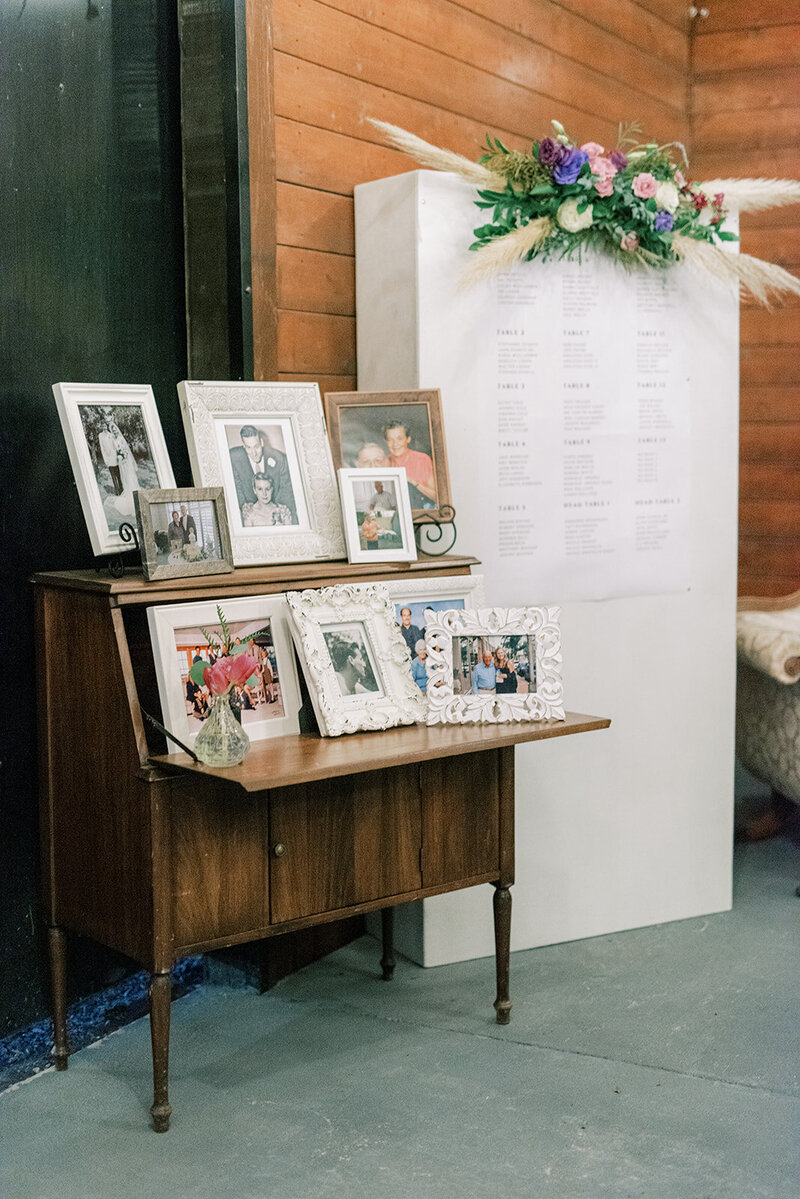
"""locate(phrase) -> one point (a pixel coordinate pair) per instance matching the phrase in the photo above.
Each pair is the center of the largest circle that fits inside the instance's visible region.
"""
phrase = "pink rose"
(216, 678)
(592, 149)
(227, 672)
(629, 241)
(645, 185)
(605, 171)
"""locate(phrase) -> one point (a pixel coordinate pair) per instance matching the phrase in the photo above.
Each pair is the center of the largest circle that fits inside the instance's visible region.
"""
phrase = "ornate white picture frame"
(116, 447)
(378, 525)
(265, 444)
(175, 633)
(355, 662)
(494, 665)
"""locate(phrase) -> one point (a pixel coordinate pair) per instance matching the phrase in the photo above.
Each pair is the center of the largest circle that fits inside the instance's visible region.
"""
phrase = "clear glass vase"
(221, 741)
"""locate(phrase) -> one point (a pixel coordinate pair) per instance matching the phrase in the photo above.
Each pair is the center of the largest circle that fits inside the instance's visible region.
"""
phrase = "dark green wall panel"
(91, 262)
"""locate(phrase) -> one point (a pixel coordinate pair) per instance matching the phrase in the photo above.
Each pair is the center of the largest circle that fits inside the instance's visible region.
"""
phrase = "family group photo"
(494, 665)
(185, 532)
(121, 456)
(260, 698)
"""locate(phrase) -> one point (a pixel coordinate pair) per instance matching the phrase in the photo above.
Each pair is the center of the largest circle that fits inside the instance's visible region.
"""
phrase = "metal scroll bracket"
(115, 564)
(436, 529)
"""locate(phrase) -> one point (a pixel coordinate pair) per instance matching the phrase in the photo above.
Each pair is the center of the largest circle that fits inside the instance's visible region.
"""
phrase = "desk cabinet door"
(344, 841)
(460, 818)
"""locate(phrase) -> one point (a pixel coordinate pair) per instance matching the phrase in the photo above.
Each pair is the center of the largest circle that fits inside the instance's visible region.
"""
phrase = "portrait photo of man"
(351, 663)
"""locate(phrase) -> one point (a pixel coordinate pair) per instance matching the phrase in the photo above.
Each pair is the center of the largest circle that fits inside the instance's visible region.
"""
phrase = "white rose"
(570, 219)
(667, 196)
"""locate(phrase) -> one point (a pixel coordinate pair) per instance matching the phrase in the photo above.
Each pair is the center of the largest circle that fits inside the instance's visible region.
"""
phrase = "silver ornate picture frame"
(265, 444)
(494, 665)
(356, 664)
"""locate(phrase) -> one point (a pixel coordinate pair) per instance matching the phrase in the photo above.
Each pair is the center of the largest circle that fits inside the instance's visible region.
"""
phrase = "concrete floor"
(659, 1063)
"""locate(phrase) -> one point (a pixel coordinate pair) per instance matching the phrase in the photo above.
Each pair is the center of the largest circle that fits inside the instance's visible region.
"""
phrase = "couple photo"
(377, 515)
(494, 665)
(351, 660)
(382, 435)
(262, 476)
(184, 533)
(122, 458)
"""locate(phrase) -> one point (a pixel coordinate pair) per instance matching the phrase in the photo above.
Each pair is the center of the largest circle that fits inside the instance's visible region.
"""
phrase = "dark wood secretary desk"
(158, 857)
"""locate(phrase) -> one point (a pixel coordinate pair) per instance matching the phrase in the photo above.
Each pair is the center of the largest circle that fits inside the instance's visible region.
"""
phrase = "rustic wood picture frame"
(222, 560)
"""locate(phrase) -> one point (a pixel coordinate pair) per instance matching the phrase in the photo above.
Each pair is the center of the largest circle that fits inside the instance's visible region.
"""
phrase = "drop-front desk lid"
(286, 761)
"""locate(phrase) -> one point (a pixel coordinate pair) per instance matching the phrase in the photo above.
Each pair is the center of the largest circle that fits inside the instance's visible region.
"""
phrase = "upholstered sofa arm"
(770, 642)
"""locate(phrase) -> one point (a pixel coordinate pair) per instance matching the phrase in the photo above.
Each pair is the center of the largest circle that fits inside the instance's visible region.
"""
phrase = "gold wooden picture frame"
(371, 429)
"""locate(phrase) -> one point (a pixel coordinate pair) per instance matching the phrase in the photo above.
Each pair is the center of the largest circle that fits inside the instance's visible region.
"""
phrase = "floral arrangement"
(632, 202)
(233, 667)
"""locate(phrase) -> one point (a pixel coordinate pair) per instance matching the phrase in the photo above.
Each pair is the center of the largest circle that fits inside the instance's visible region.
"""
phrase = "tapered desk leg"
(160, 995)
(502, 950)
(58, 990)
(387, 929)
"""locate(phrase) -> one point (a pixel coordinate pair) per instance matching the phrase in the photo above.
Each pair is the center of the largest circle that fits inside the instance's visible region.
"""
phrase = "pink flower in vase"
(228, 672)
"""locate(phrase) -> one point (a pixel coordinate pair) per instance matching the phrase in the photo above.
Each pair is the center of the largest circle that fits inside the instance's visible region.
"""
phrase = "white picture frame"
(378, 524)
(116, 446)
(175, 630)
(297, 518)
(455, 694)
(355, 662)
(435, 595)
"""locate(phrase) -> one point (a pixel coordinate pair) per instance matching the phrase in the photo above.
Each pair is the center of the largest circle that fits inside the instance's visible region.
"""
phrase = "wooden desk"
(159, 857)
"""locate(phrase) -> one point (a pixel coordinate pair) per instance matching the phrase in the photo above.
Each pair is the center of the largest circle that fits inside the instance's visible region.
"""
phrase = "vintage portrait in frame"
(416, 603)
(116, 447)
(378, 524)
(265, 445)
(493, 665)
(370, 429)
(269, 701)
(354, 660)
(183, 531)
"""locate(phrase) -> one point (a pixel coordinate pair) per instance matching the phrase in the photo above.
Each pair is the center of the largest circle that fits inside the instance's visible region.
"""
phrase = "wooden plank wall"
(746, 120)
(448, 70)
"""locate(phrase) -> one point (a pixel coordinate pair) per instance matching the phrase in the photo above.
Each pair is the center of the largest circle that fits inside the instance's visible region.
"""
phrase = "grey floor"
(659, 1063)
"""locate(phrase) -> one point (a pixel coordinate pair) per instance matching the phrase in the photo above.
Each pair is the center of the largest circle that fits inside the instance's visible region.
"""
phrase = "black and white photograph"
(485, 665)
(268, 490)
(266, 445)
(378, 523)
(353, 662)
(183, 532)
(374, 429)
(116, 448)
(121, 456)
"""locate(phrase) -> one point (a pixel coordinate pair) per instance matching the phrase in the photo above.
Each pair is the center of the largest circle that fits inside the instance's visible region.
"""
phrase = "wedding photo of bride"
(121, 455)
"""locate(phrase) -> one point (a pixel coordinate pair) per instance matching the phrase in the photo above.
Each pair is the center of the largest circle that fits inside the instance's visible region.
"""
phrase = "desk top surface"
(133, 588)
(286, 761)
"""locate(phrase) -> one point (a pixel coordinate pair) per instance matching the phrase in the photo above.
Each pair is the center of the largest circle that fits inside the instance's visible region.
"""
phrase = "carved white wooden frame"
(545, 703)
(370, 606)
(204, 403)
(69, 397)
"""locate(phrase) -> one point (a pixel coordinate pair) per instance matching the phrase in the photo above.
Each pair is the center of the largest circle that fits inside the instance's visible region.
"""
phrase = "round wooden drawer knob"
(279, 850)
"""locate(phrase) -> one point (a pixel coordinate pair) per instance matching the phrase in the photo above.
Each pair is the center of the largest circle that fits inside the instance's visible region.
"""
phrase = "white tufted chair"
(768, 693)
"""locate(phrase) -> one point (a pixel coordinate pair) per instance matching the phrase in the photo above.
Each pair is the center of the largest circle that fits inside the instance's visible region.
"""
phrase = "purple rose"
(619, 159)
(664, 221)
(569, 168)
(551, 152)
